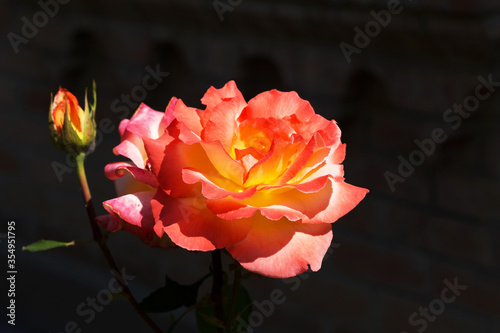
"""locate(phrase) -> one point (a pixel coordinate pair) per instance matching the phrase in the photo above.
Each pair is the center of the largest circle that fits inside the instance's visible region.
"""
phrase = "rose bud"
(72, 129)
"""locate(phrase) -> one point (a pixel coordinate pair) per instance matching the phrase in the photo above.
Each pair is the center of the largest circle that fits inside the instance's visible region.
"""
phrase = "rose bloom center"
(250, 136)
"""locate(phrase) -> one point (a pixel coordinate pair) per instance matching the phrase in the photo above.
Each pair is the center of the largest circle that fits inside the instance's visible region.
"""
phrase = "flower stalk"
(217, 287)
(234, 294)
(99, 239)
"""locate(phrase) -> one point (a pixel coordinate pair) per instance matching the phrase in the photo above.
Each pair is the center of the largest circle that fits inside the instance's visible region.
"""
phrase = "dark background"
(395, 249)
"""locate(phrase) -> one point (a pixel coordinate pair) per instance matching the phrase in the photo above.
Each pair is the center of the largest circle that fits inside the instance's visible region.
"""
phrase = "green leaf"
(172, 319)
(208, 318)
(171, 296)
(241, 307)
(43, 245)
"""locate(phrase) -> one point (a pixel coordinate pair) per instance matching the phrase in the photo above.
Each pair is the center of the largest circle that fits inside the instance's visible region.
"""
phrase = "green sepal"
(88, 122)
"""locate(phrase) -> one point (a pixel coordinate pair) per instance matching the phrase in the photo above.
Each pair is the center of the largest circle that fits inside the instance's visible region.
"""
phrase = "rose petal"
(335, 171)
(216, 187)
(331, 133)
(230, 209)
(127, 184)
(191, 225)
(277, 104)
(327, 129)
(168, 115)
(268, 170)
(189, 122)
(315, 161)
(145, 123)
(66, 103)
(259, 134)
(168, 158)
(299, 162)
(133, 208)
(343, 199)
(337, 156)
(225, 165)
(294, 202)
(250, 159)
(221, 124)
(132, 147)
(214, 96)
(282, 249)
(118, 169)
(133, 213)
(123, 126)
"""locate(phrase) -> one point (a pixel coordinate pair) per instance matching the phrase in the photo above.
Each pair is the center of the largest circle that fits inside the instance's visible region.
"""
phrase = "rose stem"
(98, 237)
(236, 286)
(217, 287)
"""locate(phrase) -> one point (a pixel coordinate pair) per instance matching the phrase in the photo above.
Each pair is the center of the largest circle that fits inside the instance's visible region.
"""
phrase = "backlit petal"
(282, 249)
(191, 225)
(277, 104)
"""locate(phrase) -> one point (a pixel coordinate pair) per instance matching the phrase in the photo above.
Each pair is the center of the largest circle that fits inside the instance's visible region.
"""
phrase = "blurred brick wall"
(396, 248)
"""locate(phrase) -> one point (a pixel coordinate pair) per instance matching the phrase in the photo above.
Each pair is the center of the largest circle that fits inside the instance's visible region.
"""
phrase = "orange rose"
(72, 129)
(263, 180)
